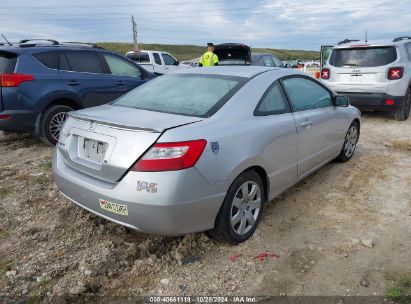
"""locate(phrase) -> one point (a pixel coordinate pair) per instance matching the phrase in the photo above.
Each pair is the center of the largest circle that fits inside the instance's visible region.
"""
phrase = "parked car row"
(199, 149)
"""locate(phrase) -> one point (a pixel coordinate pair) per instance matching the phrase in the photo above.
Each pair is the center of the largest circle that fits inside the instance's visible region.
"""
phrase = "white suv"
(375, 75)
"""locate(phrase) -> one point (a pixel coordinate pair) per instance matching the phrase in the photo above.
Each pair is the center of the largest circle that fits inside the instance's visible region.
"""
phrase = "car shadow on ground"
(14, 141)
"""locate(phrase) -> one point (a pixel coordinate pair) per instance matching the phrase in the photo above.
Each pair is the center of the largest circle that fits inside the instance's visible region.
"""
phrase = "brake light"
(4, 116)
(171, 156)
(325, 74)
(395, 73)
(389, 102)
(14, 79)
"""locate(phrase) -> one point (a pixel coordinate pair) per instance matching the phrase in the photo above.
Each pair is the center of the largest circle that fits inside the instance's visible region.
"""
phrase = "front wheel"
(52, 122)
(241, 210)
(350, 143)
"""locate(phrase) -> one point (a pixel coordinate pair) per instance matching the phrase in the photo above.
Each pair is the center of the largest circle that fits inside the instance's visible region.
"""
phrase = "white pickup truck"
(156, 62)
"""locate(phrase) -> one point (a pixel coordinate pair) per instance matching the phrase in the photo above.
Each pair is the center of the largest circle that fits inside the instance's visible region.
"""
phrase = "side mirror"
(342, 101)
(176, 62)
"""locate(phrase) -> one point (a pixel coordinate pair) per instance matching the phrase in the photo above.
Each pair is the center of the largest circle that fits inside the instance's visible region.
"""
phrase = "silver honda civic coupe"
(202, 150)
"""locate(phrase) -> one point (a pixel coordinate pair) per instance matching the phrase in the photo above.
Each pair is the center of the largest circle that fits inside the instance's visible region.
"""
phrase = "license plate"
(113, 207)
(92, 149)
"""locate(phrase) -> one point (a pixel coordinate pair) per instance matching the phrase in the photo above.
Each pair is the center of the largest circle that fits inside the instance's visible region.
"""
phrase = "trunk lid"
(104, 142)
(233, 54)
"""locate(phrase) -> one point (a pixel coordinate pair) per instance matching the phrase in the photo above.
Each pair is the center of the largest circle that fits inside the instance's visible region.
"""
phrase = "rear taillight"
(14, 79)
(4, 116)
(171, 156)
(395, 73)
(325, 74)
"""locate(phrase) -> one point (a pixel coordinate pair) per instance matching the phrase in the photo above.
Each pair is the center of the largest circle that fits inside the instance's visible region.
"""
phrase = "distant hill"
(185, 52)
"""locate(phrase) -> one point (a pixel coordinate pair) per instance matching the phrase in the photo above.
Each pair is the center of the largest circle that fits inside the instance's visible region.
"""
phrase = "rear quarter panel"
(31, 95)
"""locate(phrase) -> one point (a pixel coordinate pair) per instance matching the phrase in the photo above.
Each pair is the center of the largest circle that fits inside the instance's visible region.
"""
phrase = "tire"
(350, 143)
(402, 112)
(234, 220)
(52, 122)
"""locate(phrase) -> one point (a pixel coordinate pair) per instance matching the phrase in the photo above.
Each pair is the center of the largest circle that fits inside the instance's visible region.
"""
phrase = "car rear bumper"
(18, 120)
(183, 203)
(373, 101)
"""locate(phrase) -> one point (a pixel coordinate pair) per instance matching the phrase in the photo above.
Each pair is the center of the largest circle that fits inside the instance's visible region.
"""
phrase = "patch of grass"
(401, 292)
(45, 164)
(4, 268)
(34, 299)
(5, 190)
(42, 179)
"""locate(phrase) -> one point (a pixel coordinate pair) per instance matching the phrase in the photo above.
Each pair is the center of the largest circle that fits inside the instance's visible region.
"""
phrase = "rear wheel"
(52, 122)
(350, 143)
(241, 211)
(402, 112)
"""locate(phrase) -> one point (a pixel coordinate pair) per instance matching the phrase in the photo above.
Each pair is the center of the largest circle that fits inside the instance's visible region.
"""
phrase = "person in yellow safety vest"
(208, 59)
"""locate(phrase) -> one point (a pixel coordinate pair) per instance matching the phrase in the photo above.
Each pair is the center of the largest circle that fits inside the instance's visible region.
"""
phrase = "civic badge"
(215, 147)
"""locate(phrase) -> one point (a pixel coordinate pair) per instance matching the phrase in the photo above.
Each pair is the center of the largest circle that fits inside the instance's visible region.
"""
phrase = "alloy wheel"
(351, 141)
(245, 208)
(56, 124)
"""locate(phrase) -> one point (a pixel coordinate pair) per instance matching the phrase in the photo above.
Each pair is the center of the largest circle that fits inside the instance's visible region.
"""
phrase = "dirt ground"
(345, 230)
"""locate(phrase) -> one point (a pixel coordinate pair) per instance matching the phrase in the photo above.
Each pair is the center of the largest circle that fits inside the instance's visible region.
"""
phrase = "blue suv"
(40, 81)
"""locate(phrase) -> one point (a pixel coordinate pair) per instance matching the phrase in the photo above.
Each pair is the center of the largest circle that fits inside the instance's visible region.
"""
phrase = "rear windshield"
(183, 94)
(232, 62)
(7, 62)
(363, 56)
(139, 57)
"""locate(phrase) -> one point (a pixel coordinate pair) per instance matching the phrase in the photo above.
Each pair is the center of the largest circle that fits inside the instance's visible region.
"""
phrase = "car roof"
(16, 48)
(371, 43)
(240, 71)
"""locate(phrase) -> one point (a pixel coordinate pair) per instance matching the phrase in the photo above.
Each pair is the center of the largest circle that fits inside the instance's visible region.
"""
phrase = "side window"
(168, 60)
(138, 57)
(157, 59)
(49, 59)
(121, 67)
(273, 102)
(408, 49)
(267, 61)
(277, 62)
(63, 63)
(84, 62)
(305, 94)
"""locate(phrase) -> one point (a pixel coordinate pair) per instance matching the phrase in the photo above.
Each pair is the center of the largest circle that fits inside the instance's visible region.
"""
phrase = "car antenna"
(6, 40)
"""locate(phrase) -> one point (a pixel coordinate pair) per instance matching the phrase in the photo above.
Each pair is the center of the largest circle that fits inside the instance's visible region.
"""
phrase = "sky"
(288, 24)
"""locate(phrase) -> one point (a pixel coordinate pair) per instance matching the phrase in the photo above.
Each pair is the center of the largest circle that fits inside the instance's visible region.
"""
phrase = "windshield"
(183, 94)
(363, 56)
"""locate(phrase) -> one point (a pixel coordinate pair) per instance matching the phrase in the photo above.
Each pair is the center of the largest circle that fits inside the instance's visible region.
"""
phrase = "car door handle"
(120, 83)
(73, 83)
(306, 124)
